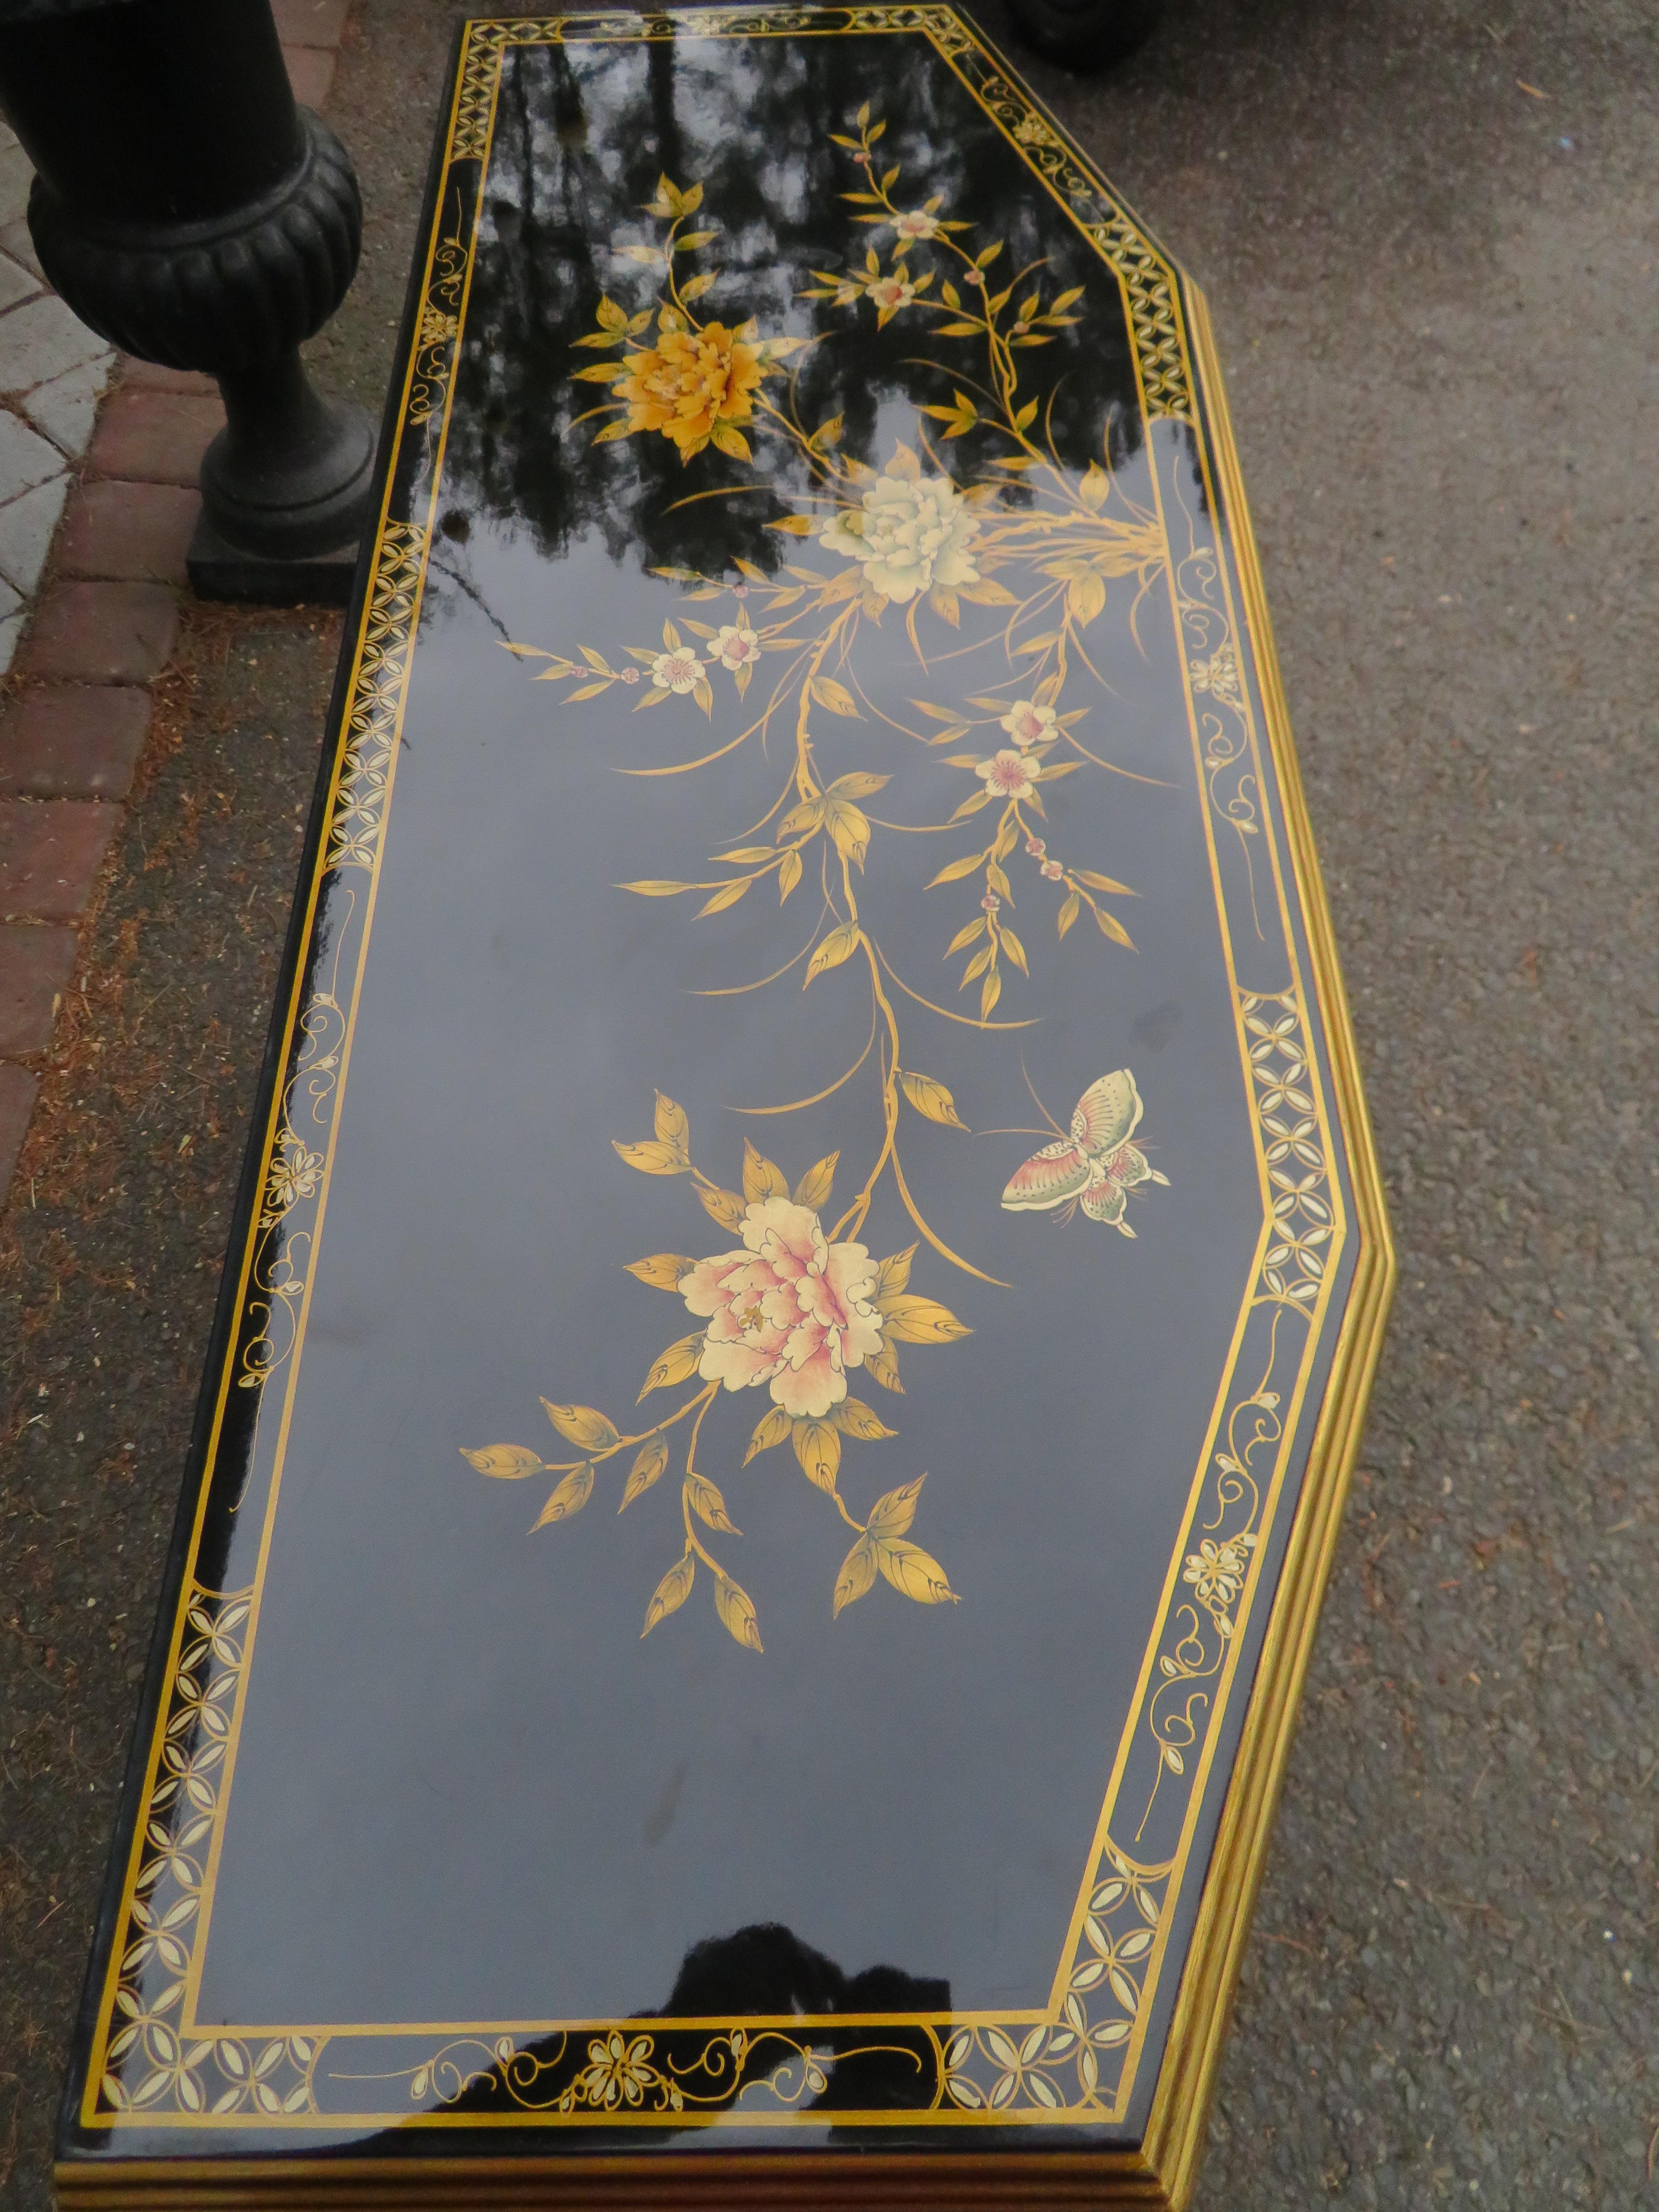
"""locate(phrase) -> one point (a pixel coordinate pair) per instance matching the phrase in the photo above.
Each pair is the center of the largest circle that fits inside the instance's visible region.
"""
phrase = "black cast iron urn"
(192, 213)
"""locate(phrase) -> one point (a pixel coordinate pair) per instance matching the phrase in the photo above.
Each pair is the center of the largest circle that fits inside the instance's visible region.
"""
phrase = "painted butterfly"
(1097, 1166)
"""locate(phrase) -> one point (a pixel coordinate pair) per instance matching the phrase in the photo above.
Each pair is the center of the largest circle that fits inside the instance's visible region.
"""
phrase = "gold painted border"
(1159, 372)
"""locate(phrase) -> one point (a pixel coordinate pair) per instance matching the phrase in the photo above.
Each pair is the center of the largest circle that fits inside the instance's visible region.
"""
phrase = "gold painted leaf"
(674, 1365)
(672, 1124)
(585, 1425)
(954, 870)
(728, 440)
(609, 316)
(1110, 927)
(892, 1515)
(651, 1158)
(840, 944)
(1085, 596)
(931, 1098)
(800, 820)
(986, 593)
(1068, 912)
(795, 526)
(671, 1591)
(883, 1367)
(965, 936)
(772, 1426)
(858, 1574)
(836, 697)
(690, 241)
(815, 1186)
(893, 1275)
(725, 1206)
(922, 1321)
(854, 1419)
(571, 1495)
(1096, 487)
(1014, 949)
(990, 992)
(694, 287)
(977, 966)
(945, 606)
(727, 895)
(737, 1613)
(860, 784)
(788, 875)
(818, 1448)
(662, 1271)
(761, 1178)
(706, 1502)
(652, 1459)
(746, 856)
(913, 1571)
(849, 826)
(656, 888)
(1101, 883)
(506, 1462)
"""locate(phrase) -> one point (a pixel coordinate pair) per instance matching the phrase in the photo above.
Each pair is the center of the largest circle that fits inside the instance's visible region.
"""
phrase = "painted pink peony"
(790, 1309)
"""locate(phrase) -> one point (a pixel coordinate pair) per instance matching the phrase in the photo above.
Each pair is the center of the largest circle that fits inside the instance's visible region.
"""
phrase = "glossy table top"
(812, 1255)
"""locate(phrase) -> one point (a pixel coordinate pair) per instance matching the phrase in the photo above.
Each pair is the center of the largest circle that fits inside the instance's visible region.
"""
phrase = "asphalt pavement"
(1429, 232)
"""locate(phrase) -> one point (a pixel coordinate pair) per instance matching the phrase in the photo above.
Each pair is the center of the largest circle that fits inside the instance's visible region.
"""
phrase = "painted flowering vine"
(796, 1306)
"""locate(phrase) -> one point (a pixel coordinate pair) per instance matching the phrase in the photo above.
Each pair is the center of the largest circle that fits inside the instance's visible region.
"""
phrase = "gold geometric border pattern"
(151, 2065)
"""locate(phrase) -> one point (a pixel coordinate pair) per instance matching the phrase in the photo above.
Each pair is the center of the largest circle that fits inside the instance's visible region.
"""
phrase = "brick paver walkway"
(97, 504)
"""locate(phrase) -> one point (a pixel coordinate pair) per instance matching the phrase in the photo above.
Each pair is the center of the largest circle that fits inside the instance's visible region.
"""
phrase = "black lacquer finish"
(812, 1257)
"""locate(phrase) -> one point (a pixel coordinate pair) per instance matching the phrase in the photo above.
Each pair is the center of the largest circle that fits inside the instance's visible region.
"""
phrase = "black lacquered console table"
(812, 1255)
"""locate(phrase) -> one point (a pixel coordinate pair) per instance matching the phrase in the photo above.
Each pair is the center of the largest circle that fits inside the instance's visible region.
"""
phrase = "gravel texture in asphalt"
(1429, 231)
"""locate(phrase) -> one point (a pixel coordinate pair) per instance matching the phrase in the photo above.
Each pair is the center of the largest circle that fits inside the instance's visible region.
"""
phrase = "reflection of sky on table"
(465, 1788)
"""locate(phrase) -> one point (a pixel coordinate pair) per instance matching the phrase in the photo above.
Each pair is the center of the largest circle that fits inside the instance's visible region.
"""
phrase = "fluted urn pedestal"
(192, 213)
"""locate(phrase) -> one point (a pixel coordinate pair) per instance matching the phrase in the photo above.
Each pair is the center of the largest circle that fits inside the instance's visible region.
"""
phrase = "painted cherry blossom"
(1052, 871)
(790, 1310)
(1036, 846)
(678, 671)
(1009, 774)
(734, 646)
(892, 293)
(916, 222)
(1028, 724)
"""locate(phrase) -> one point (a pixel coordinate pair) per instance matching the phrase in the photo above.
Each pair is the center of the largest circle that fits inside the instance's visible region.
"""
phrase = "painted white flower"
(1028, 724)
(677, 671)
(911, 533)
(917, 223)
(735, 646)
(1008, 774)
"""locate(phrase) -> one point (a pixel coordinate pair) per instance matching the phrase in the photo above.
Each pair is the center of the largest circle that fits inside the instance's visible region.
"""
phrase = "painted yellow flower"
(695, 386)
